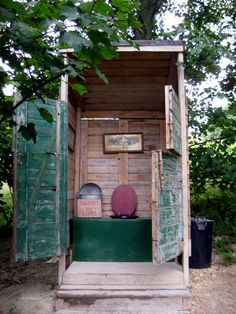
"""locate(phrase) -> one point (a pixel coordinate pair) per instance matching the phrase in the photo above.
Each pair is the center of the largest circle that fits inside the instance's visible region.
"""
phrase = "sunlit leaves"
(79, 88)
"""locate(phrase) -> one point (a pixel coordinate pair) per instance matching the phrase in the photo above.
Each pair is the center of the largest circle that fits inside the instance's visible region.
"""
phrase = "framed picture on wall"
(123, 143)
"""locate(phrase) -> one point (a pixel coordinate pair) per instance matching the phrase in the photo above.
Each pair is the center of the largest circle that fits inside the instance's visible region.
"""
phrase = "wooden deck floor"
(162, 285)
(122, 276)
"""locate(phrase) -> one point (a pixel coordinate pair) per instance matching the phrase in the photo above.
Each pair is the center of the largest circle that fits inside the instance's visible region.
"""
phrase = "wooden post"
(77, 157)
(182, 98)
(64, 89)
(162, 135)
(154, 207)
(61, 269)
(84, 153)
(16, 96)
(63, 96)
(123, 158)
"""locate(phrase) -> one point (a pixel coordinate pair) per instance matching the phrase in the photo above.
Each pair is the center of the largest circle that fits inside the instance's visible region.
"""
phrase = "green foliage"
(28, 131)
(45, 115)
(6, 170)
(224, 247)
(31, 33)
(6, 159)
(6, 211)
(79, 88)
(217, 205)
(207, 29)
(213, 157)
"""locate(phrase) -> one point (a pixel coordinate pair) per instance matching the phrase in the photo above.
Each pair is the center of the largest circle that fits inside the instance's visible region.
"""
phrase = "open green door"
(173, 121)
(167, 222)
(167, 199)
(40, 182)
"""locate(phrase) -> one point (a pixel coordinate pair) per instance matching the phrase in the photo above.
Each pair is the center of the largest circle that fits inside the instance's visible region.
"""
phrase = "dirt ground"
(28, 288)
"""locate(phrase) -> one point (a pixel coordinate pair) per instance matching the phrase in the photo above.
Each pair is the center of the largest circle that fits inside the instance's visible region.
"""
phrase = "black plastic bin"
(201, 242)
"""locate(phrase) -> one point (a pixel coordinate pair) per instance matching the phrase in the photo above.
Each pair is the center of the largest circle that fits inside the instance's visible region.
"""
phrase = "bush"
(224, 247)
(217, 205)
(6, 209)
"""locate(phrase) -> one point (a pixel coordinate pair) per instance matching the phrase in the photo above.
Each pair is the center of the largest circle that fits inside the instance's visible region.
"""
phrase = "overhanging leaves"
(46, 115)
(28, 131)
(79, 88)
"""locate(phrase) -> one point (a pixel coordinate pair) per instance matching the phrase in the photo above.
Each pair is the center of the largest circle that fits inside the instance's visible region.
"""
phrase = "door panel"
(40, 182)
(173, 121)
(167, 206)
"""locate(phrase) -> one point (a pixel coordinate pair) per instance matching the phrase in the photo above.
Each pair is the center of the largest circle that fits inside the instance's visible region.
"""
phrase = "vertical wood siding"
(103, 169)
(71, 160)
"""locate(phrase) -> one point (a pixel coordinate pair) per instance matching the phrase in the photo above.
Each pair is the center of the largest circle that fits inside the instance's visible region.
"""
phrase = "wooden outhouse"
(144, 103)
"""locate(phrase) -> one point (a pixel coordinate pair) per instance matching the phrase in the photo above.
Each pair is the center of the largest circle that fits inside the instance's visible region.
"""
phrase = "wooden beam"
(84, 153)
(119, 79)
(123, 157)
(147, 48)
(61, 269)
(185, 166)
(119, 63)
(126, 71)
(172, 71)
(64, 88)
(123, 88)
(168, 116)
(62, 258)
(124, 114)
(126, 106)
(77, 157)
(63, 96)
(162, 135)
(154, 207)
(152, 49)
(16, 97)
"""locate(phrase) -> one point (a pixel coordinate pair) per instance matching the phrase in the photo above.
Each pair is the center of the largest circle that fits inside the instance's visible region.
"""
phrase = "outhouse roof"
(137, 78)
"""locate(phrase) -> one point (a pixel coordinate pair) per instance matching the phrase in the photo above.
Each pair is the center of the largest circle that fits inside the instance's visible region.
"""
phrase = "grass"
(224, 247)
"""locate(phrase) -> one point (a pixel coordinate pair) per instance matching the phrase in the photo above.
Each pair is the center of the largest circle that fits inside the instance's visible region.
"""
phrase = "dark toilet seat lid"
(124, 200)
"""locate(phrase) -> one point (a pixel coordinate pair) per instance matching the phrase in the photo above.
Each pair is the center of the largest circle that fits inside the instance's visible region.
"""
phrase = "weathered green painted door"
(173, 121)
(40, 182)
(167, 223)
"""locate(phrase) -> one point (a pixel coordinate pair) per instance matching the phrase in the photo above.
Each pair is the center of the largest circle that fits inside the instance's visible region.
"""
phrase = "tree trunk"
(146, 14)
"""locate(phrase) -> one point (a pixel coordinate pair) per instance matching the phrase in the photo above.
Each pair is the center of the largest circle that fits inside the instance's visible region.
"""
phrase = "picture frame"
(122, 143)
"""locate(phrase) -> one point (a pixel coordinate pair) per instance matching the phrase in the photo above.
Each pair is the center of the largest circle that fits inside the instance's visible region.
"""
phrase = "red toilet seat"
(124, 200)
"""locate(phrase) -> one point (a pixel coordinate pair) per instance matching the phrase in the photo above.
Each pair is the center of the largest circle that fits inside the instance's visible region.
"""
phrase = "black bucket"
(201, 243)
(201, 239)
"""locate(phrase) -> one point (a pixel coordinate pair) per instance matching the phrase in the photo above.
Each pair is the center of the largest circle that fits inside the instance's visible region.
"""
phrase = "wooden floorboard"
(124, 274)
(124, 288)
(122, 268)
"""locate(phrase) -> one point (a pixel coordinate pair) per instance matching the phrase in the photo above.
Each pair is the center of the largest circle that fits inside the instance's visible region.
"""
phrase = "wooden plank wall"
(104, 169)
(71, 160)
(140, 164)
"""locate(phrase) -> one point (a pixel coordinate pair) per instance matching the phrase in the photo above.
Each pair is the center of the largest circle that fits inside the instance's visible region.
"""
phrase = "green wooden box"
(112, 240)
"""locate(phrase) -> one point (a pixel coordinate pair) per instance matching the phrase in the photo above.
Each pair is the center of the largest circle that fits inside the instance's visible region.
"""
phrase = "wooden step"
(68, 293)
(163, 303)
(132, 274)
(117, 288)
